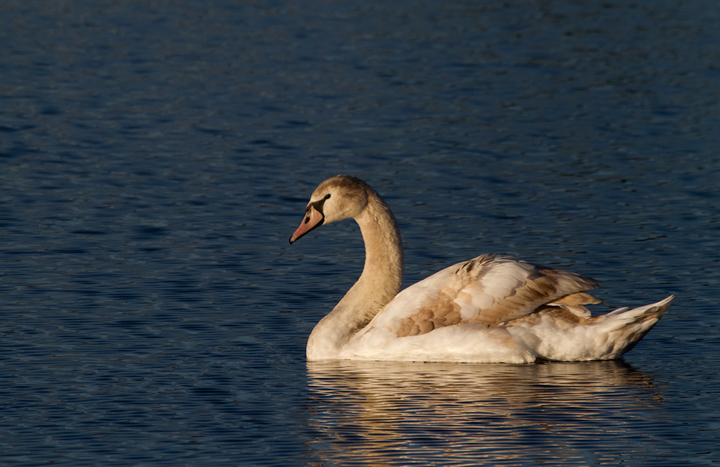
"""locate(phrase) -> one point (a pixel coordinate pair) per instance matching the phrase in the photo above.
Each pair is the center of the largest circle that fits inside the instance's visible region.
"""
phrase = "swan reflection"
(389, 413)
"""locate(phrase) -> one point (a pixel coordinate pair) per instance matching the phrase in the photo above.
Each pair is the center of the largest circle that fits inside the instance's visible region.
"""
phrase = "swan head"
(337, 198)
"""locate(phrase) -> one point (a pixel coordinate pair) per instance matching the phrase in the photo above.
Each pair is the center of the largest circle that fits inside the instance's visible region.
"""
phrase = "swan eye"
(327, 196)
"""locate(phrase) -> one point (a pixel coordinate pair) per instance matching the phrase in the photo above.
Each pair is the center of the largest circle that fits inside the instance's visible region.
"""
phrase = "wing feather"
(489, 289)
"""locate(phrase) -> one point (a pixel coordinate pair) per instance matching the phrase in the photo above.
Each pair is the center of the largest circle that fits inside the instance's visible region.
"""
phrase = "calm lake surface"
(155, 156)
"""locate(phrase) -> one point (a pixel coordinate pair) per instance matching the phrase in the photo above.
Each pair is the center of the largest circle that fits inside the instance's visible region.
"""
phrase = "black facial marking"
(318, 205)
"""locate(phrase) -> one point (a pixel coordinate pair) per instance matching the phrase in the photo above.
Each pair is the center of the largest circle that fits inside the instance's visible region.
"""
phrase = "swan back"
(489, 289)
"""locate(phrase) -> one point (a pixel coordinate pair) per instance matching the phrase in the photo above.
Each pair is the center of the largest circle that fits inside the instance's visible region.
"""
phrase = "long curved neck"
(380, 281)
(381, 278)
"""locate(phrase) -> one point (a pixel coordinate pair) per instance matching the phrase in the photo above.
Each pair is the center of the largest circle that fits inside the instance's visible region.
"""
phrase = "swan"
(488, 309)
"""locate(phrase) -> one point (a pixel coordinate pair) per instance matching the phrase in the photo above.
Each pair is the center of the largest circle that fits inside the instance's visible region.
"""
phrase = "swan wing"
(489, 289)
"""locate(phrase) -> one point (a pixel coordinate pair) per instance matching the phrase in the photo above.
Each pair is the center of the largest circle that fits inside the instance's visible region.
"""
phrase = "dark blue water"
(155, 157)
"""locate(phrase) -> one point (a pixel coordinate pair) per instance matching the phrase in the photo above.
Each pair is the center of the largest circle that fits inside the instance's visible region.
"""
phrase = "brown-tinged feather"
(504, 299)
(442, 312)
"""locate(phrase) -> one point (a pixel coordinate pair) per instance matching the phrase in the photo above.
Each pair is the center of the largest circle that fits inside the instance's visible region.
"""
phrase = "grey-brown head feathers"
(346, 197)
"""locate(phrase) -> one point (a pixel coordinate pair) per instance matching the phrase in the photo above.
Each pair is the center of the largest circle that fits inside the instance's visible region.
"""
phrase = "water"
(156, 156)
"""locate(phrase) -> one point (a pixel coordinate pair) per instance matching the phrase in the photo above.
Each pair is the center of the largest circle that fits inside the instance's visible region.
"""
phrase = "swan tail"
(605, 337)
(626, 327)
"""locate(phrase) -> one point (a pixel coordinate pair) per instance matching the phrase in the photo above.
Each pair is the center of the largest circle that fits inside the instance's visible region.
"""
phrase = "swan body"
(491, 308)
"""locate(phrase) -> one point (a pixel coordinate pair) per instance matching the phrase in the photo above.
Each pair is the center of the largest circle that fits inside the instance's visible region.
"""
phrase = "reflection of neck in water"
(373, 412)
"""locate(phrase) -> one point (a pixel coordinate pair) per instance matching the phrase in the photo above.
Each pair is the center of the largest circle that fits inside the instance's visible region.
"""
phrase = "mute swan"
(489, 309)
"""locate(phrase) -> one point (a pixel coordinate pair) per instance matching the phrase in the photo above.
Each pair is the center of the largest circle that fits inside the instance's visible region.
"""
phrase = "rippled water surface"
(155, 157)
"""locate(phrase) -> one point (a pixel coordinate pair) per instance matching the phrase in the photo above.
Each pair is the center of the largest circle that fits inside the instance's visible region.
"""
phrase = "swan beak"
(313, 219)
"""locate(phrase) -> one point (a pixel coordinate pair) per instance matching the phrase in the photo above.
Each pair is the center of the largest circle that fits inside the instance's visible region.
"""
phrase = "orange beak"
(313, 219)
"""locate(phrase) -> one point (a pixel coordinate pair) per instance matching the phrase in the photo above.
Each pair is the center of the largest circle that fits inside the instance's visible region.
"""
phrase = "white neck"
(379, 283)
